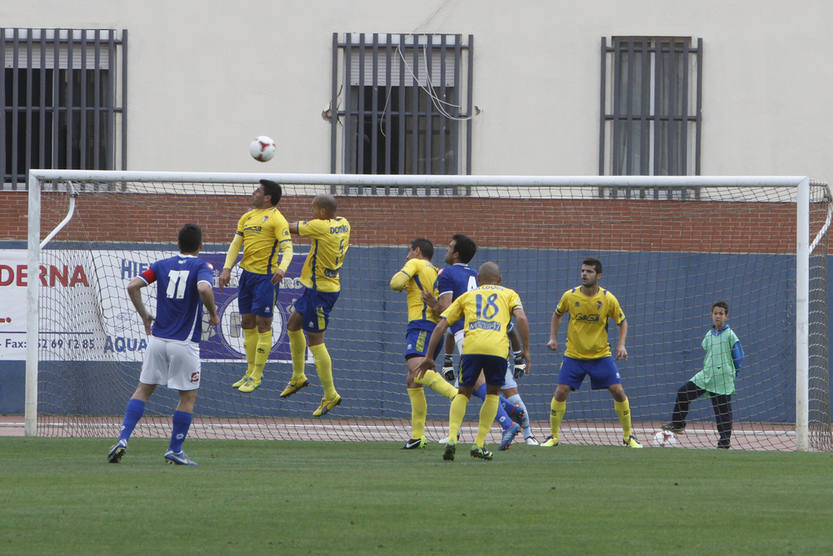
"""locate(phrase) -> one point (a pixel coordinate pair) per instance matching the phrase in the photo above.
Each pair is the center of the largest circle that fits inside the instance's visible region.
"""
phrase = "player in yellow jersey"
(262, 232)
(588, 350)
(417, 276)
(330, 235)
(487, 311)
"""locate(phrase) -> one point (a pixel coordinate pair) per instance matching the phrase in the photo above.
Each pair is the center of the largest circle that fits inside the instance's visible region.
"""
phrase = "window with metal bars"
(401, 104)
(651, 109)
(62, 100)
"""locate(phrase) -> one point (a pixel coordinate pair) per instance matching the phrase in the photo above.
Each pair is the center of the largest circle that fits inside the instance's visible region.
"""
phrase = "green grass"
(60, 496)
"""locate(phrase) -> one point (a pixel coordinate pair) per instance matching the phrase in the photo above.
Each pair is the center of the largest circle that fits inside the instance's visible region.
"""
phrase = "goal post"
(670, 247)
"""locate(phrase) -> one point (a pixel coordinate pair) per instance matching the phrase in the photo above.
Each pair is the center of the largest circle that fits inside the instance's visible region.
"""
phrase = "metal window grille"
(63, 101)
(401, 104)
(651, 111)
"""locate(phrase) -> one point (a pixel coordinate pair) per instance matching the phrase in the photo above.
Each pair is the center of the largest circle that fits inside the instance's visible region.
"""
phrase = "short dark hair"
(273, 189)
(326, 202)
(722, 304)
(189, 238)
(595, 263)
(464, 245)
(425, 246)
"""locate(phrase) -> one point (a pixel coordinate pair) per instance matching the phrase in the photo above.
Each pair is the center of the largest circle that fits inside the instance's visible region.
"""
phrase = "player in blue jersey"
(416, 276)
(263, 232)
(184, 283)
(453, 281)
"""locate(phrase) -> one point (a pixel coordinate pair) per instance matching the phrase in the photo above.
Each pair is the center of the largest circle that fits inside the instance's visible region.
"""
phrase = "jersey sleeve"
(398, 281)
(241, 224)
(562, 306)
(445, 283)
(454, 311)
(615, 312)
(149, 275)
(514, 302)
(315, 229)
(205, 273)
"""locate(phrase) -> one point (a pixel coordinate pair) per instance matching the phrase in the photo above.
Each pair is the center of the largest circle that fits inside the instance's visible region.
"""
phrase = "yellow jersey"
(487, 311)
(416, 276)
(330, 241)
(587, 331)
(264, 232)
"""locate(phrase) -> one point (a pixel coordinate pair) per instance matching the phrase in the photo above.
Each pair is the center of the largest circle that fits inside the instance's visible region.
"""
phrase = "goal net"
(670, 247)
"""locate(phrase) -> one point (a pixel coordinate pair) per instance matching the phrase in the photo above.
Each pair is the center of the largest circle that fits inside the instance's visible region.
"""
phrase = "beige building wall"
(206, 76)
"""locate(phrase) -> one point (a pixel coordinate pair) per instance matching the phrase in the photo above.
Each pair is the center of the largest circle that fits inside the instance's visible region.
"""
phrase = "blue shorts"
(257, 294)
(493, 367)
(602, 371)
(416, 342)
(315, 306)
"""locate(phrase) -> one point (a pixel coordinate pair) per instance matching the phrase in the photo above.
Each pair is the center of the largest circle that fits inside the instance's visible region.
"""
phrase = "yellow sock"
(262, 349)
(250, 347)
(419, 410)
(438, 384)
(298, 349)
(324, 367)
(623, 410)
(488, 411)
(455, 416)
(557, 410)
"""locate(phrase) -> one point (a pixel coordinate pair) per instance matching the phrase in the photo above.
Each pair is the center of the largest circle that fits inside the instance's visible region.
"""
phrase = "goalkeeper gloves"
(520, 365)
(448, 368)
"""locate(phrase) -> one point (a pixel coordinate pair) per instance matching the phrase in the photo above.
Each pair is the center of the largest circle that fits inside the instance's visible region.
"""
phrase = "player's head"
(189, 238)
(324, 206)
(461, 249)
(273, 190)
(488, 273)
(591, 269)
(426, 248)
(720, 312)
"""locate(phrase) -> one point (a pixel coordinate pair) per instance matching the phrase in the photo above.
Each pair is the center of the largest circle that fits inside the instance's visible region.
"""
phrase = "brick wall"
(513, 223)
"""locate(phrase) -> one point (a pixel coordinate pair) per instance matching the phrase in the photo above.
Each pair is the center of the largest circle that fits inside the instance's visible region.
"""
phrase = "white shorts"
(173, 363)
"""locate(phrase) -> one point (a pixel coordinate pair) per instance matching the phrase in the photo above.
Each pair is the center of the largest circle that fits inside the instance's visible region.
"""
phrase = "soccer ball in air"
(664, 439)
(262, 148)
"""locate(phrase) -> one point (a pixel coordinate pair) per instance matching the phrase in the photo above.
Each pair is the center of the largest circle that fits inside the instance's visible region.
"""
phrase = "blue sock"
(502, 417)
(516, 399)
(182, 422)
(135, 410)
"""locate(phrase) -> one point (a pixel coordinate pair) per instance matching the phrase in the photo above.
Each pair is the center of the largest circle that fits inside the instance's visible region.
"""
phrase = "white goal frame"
(804, 246)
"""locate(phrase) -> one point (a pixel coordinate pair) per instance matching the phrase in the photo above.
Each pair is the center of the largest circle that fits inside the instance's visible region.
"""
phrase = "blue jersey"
(178, 303)
(456, 279)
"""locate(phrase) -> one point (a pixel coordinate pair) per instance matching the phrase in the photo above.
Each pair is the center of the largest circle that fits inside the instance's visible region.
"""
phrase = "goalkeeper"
(261, 231)
(418, 274)
(724, 356)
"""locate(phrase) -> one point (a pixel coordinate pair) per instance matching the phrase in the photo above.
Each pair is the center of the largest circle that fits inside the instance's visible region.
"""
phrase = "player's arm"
(621, 352)
(134, 291)
(207, 296)
(399, 280)
(517, 353)
(737, 356)
(555, 324)
(285, 248)
(522, 325)
(293, 228)
(437, 335)
(231, 258)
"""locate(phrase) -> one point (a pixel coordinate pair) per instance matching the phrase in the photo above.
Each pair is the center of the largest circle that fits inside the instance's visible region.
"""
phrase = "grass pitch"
(62, 497)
